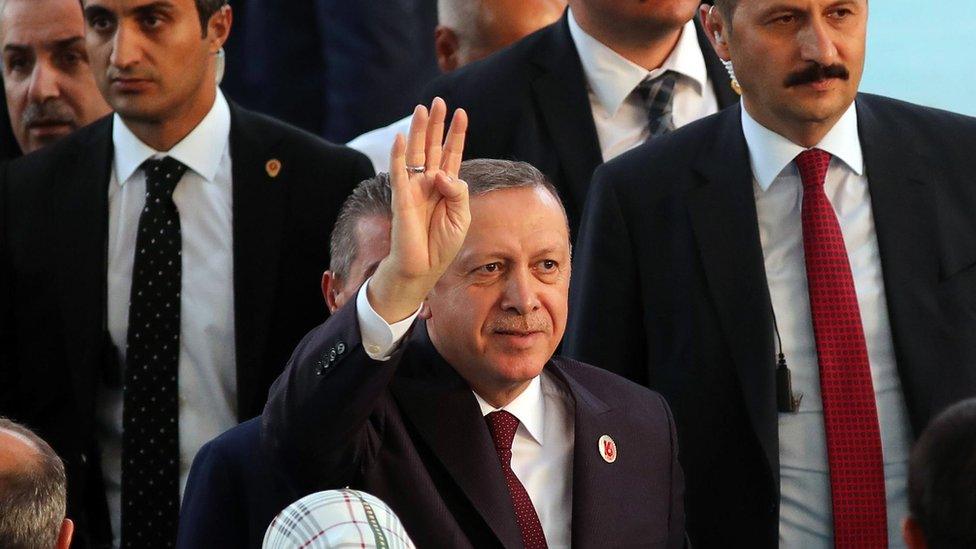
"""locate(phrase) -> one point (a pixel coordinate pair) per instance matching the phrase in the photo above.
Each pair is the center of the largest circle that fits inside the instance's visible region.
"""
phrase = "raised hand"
(430, 212)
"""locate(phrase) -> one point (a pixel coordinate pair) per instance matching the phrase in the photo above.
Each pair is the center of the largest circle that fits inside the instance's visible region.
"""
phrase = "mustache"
(816, 72)
(520, 323)
(115, 73)
(52, 111)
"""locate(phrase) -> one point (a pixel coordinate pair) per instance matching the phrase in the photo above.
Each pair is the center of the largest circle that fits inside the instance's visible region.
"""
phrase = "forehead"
(516, 221)
(798, 5)
(125, 7)
(36, 22)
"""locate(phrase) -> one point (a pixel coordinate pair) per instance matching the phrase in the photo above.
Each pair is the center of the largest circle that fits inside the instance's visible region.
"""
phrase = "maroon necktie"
(502, 426)
(857, 489)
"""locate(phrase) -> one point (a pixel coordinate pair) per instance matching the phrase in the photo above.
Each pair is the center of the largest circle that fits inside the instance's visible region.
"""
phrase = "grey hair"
(32, 500)
(485, 175)
(371, 197)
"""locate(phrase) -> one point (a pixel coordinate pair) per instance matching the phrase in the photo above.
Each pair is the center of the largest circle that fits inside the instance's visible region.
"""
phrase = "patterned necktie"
(150, 412)
(502, 426)
(658, 95)
(857, 484)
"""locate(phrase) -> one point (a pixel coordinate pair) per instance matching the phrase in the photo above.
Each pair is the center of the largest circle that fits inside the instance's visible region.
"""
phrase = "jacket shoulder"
(612, 388)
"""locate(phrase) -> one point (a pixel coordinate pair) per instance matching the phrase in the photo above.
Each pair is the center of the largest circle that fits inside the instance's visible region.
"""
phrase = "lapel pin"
(608, 449)
(273, 167)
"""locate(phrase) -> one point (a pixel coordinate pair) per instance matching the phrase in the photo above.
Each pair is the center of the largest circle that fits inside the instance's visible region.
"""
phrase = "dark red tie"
(857, 488)
(502, 426)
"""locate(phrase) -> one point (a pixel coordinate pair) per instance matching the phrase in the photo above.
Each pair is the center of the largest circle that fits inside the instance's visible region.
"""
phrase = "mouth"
(519, 338)
(130, 85)
(45, 128)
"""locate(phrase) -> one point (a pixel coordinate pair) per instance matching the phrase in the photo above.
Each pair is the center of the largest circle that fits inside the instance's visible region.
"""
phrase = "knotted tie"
(854, 455)
(502, 426)
(658, 95)
(150, 412)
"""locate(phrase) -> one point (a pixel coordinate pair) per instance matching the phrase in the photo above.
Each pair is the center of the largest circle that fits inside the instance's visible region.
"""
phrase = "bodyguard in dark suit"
(200, 283)
(843, 220)
(569, 97)
(463, 422)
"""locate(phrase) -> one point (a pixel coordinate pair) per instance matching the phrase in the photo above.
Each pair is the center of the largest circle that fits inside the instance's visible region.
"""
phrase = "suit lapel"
(560, 93)
(258, 220)
(82, 210)
(723, 216)
(904, 212)
(456, 433)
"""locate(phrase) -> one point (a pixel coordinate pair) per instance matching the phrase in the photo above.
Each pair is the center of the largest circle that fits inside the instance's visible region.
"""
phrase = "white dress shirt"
(805, 504)
(376, 144)
(542, 451)
(207, 363)
(619, 113)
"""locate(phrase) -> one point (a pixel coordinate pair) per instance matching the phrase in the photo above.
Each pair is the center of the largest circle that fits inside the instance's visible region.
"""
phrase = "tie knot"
(658, 89)
(502, 426)
(813, 165)
(162, 175)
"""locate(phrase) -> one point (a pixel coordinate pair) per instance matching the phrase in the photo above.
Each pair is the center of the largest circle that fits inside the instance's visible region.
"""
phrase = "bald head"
(469, 30)
(32, 491)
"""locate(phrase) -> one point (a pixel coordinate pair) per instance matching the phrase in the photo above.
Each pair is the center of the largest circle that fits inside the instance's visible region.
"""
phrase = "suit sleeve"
(325, 413)
(676, 522)
(210, 515)
(605, 321)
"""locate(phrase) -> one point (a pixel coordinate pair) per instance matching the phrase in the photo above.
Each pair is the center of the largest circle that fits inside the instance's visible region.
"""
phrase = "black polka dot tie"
(857, 484)
(150, 413)
(502, 426)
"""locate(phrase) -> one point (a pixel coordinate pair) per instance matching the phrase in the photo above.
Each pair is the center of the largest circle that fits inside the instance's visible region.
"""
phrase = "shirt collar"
(529, 407)
(201, 150)
(771, 153)
(612, 77)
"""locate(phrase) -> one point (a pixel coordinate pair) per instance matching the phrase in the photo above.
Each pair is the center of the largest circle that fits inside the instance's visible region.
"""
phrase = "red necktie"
(502, 426)
(857, 486)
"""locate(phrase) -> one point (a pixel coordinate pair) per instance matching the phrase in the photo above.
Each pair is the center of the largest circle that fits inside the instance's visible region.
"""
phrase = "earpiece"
(718, 37)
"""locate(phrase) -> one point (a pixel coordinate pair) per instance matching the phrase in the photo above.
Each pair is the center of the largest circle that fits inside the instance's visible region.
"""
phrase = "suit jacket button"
(340, 348)
(332, 355)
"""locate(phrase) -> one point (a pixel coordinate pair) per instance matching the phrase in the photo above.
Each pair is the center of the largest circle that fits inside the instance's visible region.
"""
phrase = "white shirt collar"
(612, 77)
(529, 407)
(201, 150)
(771, 153)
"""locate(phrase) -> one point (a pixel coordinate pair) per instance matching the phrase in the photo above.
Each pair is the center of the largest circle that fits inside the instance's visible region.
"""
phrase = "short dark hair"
(206, 9)
(32, 500)
(371, 197)
(942, 478)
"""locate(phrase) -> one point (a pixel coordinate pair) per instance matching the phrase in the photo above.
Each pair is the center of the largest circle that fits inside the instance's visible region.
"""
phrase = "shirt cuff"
(379, 338)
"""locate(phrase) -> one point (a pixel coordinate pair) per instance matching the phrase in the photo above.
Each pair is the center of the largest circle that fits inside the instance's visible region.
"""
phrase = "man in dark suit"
(184, 238)
(603, 79)
(842, 223)
(463, 422)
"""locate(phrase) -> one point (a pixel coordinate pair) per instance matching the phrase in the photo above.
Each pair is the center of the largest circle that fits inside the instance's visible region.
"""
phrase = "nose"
(817, 44)
(45, 82)
(125, 48)
(520, 295)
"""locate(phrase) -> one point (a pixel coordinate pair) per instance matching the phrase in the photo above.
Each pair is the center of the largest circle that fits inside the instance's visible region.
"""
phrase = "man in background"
(942, 482)
(606, 77)
(195, 232)
(32, 492)
(233, 492)
(795, 275)
(48, 81)
(467, 30)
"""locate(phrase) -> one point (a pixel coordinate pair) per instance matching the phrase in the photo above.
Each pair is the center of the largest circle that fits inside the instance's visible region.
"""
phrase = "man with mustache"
(48, 82)
(796, 275)
(462, 420)
(158, 266)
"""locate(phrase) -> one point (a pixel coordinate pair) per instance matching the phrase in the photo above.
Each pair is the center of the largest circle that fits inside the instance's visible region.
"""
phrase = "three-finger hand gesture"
(430, 212)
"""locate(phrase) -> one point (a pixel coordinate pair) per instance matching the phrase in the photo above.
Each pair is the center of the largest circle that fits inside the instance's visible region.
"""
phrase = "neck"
(805, 133)
(501, 396)
(645, 47)
(163, 134)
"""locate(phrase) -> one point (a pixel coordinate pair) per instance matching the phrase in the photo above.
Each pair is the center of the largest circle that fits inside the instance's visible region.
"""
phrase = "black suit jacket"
(233, 493)
(53, 268)
(410, 432)
(529, 102)
(670, 290)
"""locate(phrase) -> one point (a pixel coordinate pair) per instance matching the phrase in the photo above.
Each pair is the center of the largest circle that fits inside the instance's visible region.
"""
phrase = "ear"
(911, 531)
(218, 28)
(330, 290)
(447, 47)
(716, 28)
(65, 534)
